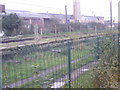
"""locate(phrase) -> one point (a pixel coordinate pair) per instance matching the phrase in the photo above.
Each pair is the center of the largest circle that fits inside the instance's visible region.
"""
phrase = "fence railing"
(50, 65)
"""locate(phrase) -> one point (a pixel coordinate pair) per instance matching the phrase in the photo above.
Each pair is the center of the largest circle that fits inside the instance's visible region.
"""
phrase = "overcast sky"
(88, 7)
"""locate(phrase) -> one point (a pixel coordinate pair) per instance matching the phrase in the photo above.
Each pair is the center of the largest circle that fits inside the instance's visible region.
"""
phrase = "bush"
(106, 73)
(10, 24)
(25, 30)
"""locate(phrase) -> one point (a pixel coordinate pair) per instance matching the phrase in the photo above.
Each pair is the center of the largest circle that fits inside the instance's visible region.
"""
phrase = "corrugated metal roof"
(50, 15)
(28, 14)
(33, 15)
(91, 18)
(61, 16)
(37, 15)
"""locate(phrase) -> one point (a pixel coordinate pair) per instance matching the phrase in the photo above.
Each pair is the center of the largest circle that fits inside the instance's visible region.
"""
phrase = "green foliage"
(106, 73)
(62, 28)
(99, 26)
(26, 29)
(76, 26)
(55, 22)
(84, 81)
(87, 26)
(10, 24)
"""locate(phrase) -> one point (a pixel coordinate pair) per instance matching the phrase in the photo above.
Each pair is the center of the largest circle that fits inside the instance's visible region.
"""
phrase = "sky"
(88, 7)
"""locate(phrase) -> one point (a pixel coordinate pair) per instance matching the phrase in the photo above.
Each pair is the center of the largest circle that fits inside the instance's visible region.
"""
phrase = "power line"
(38, 5)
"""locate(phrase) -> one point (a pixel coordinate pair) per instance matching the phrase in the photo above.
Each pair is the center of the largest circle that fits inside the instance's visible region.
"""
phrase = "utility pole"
(66, 14)
(111, 14)
(114, 23)
(67, 21)
(66, 17)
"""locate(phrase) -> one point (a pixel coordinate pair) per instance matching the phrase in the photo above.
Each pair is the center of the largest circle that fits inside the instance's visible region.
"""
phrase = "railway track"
(6, 44)
(7, 51)
(19, 39)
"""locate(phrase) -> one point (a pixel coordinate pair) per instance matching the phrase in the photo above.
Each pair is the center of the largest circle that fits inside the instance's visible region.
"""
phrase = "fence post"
(1, 54)
(97, 47)
(69, 65)
(113, 37)
(55, 33)
(96, 32)
(0, 70)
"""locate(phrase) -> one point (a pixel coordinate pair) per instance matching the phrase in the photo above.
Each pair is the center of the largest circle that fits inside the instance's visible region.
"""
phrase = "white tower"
(76, 10)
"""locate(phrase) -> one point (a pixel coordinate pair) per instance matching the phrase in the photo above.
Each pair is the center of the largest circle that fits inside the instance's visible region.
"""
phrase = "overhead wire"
(35, 5)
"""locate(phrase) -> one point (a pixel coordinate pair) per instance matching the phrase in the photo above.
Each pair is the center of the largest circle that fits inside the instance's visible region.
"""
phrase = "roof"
(91, 18)
(60, 16)
(28, 14)
(37, 15)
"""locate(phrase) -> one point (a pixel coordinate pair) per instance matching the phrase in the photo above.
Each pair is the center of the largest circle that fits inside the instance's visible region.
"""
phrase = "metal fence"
(50, 65)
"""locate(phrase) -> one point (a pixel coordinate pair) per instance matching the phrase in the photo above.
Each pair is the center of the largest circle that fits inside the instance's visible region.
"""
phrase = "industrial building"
(33, 18)
(43, 19)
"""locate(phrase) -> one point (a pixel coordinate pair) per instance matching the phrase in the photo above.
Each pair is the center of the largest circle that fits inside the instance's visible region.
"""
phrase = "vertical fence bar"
(97, 47)
(113, 38)
(96, 31)
(1, 54)
(0, 69)
(55, 33)
(69, 65)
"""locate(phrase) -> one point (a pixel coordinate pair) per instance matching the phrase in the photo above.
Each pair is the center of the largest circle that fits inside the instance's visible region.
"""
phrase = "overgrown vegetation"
(10, 24)
(106, 74)
(83, 81)
(49, 79)
(44, 59)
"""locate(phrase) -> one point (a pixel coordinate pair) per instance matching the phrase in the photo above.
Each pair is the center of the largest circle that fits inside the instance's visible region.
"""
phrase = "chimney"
(76, 10)
(2, 8)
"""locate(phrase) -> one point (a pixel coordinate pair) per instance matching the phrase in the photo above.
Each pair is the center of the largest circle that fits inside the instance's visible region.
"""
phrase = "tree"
(10, 24)
(55, 22)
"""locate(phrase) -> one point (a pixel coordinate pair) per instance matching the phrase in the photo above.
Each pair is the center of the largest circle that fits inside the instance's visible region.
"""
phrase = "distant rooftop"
(23, 13)
(29, 14)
